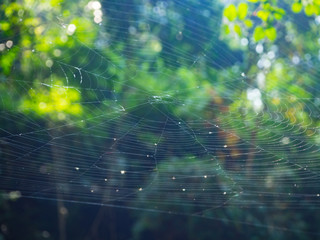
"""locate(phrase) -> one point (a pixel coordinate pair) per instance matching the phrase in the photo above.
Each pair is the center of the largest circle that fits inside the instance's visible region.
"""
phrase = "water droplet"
(285, 140)
(9, 43)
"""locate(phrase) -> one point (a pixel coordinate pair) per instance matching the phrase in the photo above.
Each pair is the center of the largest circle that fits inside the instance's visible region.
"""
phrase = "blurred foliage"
(64, 61)
(58, 101)
(268, 13)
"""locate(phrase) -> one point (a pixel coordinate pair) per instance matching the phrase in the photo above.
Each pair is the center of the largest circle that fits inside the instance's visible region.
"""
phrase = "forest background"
(116, 116)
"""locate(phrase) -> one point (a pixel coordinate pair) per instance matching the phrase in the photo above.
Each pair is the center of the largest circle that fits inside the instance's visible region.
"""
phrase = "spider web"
(156, 138)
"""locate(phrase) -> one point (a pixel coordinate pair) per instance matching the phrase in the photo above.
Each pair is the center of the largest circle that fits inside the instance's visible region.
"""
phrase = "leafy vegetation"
(135, 94)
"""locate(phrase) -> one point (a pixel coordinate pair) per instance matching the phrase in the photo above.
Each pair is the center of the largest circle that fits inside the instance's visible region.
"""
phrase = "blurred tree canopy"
(76, 77)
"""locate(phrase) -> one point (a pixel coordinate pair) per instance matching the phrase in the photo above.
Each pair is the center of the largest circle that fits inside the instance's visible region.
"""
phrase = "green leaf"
(253, 1)
(258, 33)
(271, 33)
(242, 10)
(278, 13)
(248, 23)
(296, 7)
(230, 12)
(280, 10)
(316, 9)
(309, 10)
(267, 6)
(263, 15)
(4, 26)
(226, 29)
(237, 29)
(277, 16)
